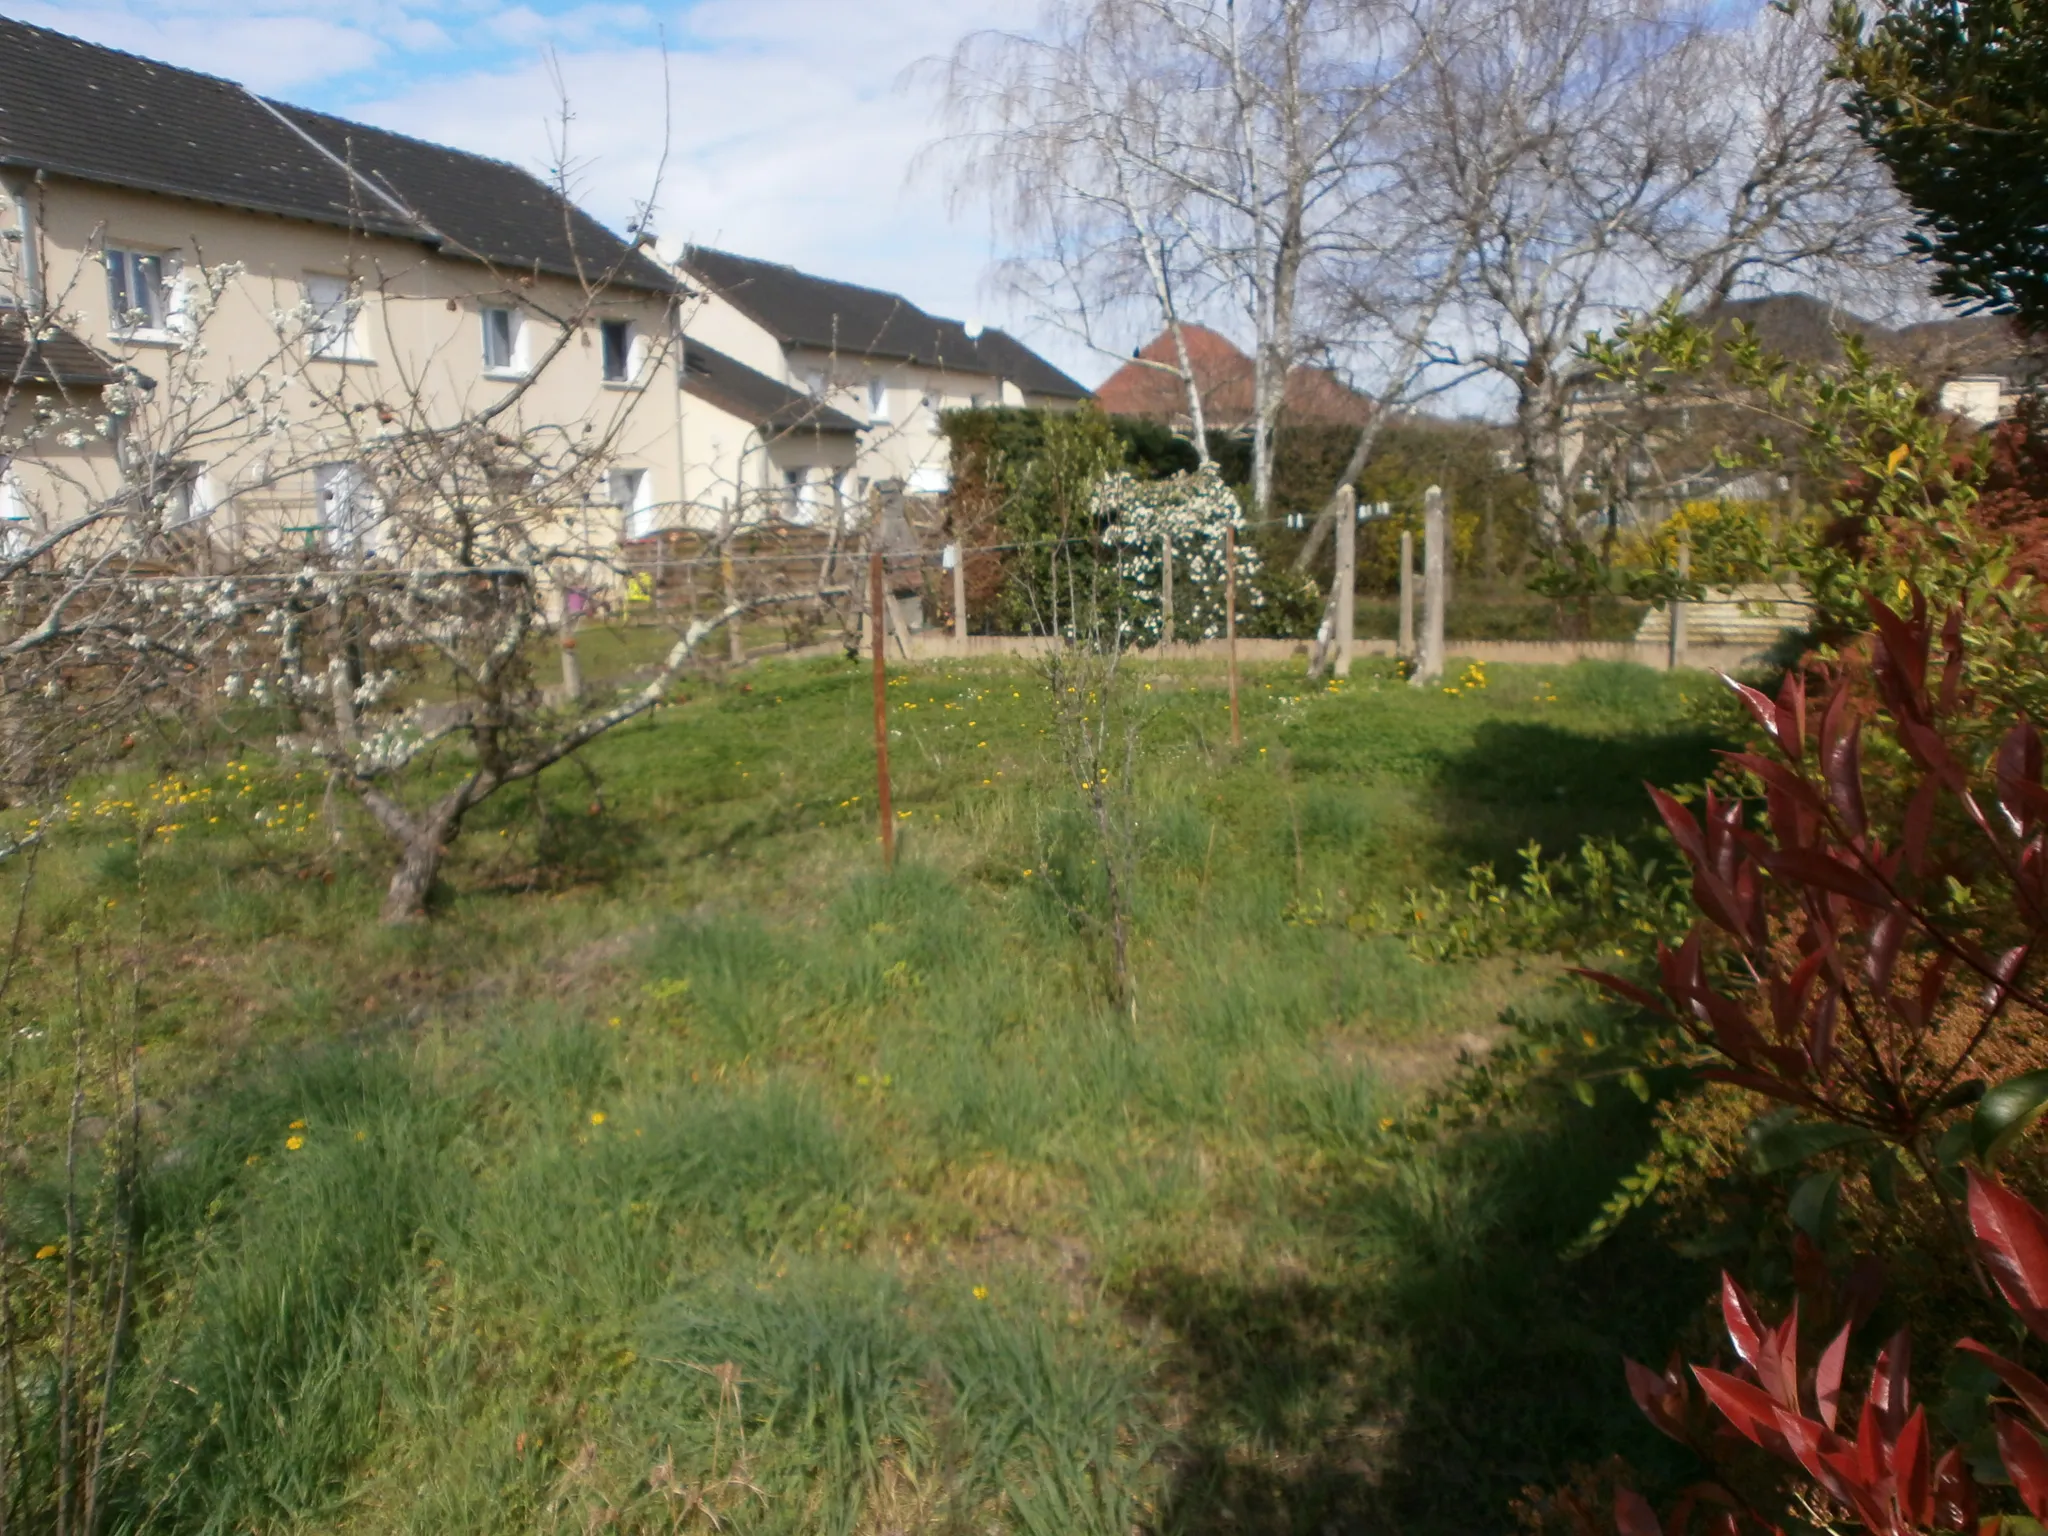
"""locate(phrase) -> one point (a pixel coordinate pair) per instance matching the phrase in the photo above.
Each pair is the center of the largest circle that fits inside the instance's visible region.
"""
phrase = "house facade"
(257, 282)
(867, 355)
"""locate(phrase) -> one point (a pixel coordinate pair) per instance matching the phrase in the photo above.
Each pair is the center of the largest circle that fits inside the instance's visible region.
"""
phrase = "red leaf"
(1753, 1415)
(2030, 1389)
(2014, 1237)
(1955, 1492)
(1759, 705)
(2026, 1463)
(1843, 765)
(1633, 1515)
(1811, 867)
(1684, 830)
(2018, 770)
(1792, 716)
(1910, 1472)
(1890, 1388)
(1745, 1327)
(1881, 952)
(1952, 664)
(1625, 989)
(1661, 1399)
(1902, 653)
(1777, 1365)
(1827, 1377)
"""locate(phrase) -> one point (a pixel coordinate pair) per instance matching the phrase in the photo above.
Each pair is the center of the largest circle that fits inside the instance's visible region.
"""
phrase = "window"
(616, 340)
(187, 496)
(139, 290)
(796, 495)
(17, 529)
(332, 331)
(878, 400)
(501, 341)
(629, 493)
(348, 508)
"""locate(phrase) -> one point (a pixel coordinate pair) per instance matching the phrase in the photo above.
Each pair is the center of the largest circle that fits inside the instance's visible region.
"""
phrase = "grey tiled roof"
(75, 109)
(755, 398)
(825, 315)
(55, 358)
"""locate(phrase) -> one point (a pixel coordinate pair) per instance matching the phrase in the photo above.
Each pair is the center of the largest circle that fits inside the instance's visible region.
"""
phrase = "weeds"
(727, 1182)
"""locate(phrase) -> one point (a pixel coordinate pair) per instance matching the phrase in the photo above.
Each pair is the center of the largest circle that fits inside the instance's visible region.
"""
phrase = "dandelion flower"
(47, 1251)
(296, 1125)
(981, 1293)
(293, 1143)
(597, 1117)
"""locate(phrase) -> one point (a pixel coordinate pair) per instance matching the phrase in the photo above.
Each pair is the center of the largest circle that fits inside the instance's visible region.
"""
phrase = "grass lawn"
(687, 1169)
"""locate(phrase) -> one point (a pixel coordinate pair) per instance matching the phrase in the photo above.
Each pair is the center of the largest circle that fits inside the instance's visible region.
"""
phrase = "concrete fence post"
(1429, 670)
(1347, 578)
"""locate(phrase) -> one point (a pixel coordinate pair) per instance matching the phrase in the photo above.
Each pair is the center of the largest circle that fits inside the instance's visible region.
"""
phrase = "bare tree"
(1583, 157)
(1182, 158)
(401, 623)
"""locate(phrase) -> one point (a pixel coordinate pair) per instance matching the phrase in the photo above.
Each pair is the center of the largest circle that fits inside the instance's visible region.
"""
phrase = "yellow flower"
(981, 1293)
(613, 1022)
(296, 1125)
(47, 1251)
(293, 1143)
(597, 1117)
(362, 1135)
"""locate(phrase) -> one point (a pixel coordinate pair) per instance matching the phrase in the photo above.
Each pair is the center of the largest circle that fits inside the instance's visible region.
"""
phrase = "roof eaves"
(338, 219)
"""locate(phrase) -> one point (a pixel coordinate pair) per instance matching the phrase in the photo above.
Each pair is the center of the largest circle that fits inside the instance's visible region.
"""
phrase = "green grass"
(689, 1165)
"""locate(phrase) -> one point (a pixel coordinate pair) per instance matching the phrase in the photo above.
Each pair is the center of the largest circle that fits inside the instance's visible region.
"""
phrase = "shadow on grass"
(1460, 1361)
(1523, 779)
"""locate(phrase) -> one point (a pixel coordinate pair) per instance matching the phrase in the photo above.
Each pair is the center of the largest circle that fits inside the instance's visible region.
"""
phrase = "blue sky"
(792, 132)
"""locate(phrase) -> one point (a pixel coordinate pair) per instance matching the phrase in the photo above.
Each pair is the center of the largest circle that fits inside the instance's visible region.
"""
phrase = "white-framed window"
(187, 496)
(617, 349)
(348, 508)
(141, 292)
(930, 480)
(17, 528)
(878, 399)
(335, 327)
(796, 495)
(504, 341)
(633, 494)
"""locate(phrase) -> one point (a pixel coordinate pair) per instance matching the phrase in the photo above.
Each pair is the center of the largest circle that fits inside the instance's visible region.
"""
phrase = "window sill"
(632, 386)
(508, 375)
(164, 339)
(354, 359)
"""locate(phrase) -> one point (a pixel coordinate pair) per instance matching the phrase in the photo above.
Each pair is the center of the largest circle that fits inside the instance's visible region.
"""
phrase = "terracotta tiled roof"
(1224, 374)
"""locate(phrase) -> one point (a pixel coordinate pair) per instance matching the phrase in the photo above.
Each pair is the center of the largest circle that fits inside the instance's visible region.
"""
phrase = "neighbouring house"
(360, 266)
(1976, 367)
(869, 355)
(1150, 386)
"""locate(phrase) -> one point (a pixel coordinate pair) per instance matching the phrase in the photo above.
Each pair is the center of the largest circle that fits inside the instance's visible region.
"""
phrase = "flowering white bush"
(1138, 518)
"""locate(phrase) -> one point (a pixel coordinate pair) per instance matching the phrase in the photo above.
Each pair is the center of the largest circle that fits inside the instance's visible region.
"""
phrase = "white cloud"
(794, 136)
(270, 52)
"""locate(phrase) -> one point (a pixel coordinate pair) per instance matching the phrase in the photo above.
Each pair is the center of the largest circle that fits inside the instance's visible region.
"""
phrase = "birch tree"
(1188, 159)
(1586, 157)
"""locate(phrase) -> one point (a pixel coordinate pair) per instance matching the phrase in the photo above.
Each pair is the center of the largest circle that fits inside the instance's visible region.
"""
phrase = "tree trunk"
(405, 898)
